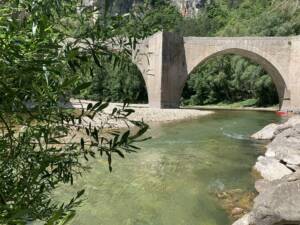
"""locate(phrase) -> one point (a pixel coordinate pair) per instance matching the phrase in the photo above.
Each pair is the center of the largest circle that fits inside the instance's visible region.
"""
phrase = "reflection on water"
(169, 182)
(236, 136)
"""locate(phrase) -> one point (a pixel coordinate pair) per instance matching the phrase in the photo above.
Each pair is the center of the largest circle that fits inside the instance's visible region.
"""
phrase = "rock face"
(283, 153)
(286, 147)
(278, 202)
(187, 8)
(271, 169)
(267, 133)
(276, 205)
(245, 220)
(190, 7)
(262, 185)
(270, 131)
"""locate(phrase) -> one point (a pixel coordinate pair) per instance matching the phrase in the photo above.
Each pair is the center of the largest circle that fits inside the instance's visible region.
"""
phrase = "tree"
(48, 51)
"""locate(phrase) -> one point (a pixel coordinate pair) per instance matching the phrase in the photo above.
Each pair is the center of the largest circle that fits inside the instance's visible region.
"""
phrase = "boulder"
(293, 121)
(279, 204)
(267, 133)
(262, 185)
(271, 130)
(237, 211)
(286, 147)
(271, 169)
(245, 220)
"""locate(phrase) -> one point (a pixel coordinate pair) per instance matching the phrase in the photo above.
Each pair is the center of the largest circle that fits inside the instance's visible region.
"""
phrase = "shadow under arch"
(141, 61)
(271, 69)
(143, 88)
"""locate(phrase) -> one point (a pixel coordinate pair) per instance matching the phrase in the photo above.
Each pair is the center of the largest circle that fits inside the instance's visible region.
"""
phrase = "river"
(171, 180)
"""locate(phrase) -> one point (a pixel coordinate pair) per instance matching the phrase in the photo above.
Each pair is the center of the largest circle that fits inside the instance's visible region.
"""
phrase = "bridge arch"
(269, 67)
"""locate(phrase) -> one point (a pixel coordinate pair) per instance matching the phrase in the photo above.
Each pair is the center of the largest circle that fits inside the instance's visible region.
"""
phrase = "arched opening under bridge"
(234, 75)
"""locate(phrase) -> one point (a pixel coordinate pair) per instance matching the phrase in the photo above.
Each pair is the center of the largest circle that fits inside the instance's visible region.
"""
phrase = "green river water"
(170, 181)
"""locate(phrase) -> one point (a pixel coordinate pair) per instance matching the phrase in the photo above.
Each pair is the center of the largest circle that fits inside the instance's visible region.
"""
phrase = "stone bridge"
(166, 60)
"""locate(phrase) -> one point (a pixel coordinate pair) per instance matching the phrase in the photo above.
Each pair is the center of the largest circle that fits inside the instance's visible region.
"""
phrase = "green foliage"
(263, 18)
(49, 50)
(117, 85)
(229, 79)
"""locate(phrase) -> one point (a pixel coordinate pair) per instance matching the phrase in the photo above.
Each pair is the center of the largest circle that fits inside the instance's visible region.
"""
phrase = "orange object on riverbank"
(282, 113)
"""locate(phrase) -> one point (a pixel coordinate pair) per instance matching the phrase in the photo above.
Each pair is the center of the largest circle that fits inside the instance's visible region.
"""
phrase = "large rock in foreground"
(279, 204)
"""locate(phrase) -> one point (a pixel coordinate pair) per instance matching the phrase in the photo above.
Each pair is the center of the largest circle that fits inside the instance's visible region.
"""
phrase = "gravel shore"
(149, 115)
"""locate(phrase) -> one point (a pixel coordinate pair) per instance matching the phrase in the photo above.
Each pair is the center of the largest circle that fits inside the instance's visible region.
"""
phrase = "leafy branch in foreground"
(47, 51)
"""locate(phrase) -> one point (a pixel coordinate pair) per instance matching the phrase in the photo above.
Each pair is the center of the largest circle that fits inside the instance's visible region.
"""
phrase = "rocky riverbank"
(278, 201)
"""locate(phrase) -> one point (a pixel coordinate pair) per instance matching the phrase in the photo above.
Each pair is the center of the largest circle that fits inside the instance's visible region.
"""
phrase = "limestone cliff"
(186, 7)
(190, 7)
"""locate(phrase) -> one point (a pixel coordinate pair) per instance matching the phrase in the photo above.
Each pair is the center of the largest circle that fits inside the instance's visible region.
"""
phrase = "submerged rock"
(236, 202)
(237, 211)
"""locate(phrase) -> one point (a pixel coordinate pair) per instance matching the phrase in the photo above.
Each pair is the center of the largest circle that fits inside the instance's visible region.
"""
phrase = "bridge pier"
(161, 59)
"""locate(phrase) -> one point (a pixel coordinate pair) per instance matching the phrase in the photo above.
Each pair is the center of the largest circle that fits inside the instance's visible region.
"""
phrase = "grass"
(246, 104)
(241, 104)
